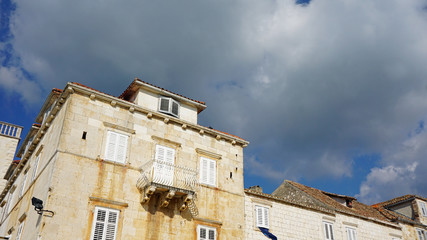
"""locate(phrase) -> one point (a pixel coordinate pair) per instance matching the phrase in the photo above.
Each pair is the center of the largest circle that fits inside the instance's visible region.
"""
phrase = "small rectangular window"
(262, 216)
(421, 234)
(116, 148)
(423, 209)
(329, 231)
(351, 233)
(169, 106)
(21, 191)
(105, 223)
(207, 171)
(206, 233)
(19, 232)
(36, 164)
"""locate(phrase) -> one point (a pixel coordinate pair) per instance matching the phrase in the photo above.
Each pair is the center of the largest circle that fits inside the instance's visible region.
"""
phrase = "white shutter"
(164, 168)
(203, 170)
(212, 172)
(164, 105)
(19, 232)
(121, 148)
(105, 224)
(111, 145)
(202, 235)
(116, 147)
(175, 108)
(351, 234)
(211, 234)
(266, 218)
(329, 233)
(36, 164)
(262, 216)
(208, 171)
(21, 191)
(206, 233)
(423, 209)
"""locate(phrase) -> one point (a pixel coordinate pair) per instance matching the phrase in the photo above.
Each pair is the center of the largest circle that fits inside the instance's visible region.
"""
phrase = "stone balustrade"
(168, 175)
(10, 130)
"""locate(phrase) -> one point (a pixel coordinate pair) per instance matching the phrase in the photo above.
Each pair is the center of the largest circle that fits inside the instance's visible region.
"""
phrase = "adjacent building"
(410, 212)
(296, 211)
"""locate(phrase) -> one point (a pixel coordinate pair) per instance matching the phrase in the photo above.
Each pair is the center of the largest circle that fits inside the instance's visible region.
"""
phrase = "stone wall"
(288, 221)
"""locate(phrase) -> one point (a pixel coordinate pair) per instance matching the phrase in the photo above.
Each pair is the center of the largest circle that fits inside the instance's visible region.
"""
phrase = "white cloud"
(12, 80)
(306, 85)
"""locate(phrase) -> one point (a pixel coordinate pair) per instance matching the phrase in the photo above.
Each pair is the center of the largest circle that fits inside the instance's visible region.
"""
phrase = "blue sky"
(331, 94)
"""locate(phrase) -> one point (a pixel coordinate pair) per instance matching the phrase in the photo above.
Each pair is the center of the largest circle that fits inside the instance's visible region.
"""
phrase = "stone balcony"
(170, 181)
(11, 130)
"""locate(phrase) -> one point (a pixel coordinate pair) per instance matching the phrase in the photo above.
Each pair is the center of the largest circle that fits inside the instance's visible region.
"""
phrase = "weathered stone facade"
(74, 176)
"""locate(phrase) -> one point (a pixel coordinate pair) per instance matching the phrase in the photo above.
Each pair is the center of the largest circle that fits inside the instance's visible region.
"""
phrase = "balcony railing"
(169, 176)
(10, 130)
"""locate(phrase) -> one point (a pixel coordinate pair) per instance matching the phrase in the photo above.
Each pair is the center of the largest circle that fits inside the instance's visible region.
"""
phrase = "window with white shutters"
(351, 233)
(21, 191)
(421, 234)
(206, 233)
(207, 171)
(423, 209)
(19, 232)
(169, 106)
(116, 148)
(36, 165)
(105, 223)
(164, 165)
(262, 216)
(329, 231)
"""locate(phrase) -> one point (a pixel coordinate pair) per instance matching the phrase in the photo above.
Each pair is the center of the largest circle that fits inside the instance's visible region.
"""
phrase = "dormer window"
(169, 106)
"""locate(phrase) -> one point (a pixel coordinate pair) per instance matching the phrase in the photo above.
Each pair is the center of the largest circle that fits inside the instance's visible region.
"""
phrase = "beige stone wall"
(291, 222)
(150, 101)
(7, 152)
(423, 219)
(21, 207)
(81, 180)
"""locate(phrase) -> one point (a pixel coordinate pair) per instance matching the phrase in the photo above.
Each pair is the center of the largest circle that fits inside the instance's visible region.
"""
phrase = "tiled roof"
(297, 199)
(131, 88)
(400, 199)
(395, 216)
(357, 209)
(228, 134)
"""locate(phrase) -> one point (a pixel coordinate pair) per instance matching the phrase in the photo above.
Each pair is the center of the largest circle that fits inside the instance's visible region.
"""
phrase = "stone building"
(410, 212)
(295, 211)
(137, 166)
(9, 138)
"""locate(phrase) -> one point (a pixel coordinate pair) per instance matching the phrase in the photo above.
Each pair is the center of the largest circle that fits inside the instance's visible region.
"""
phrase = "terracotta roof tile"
(131, 88)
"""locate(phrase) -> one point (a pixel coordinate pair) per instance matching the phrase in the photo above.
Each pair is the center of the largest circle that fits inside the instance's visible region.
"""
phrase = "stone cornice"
(132, 107)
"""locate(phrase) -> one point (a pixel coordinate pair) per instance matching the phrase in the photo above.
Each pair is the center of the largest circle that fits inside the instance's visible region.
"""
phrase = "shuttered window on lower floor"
(104, 224)
(206, 233)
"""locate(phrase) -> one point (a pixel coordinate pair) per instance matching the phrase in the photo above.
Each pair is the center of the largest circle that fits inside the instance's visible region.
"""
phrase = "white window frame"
(421, 234)
(328, 229)
(105, 223)
(164, 165)
(36, 165)
(171, 101)
(24, 180)
(208, 171)
(423, 209)
(262, 216)
(207, 229)
(351, 233)
(19, 232)
(6, 206)
(115, 150)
